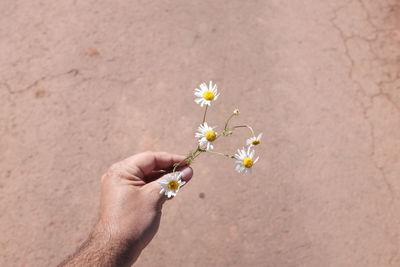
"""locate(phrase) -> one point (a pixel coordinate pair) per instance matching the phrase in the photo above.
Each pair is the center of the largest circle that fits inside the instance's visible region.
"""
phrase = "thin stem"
(205, 113)
(196, 155)
(192, 155)
(176, 165)
(227, 121)
(221, 154)
(189, 159)
(244, 126)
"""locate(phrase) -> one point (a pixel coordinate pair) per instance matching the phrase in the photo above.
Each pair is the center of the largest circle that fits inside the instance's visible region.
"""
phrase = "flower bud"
(236, 112)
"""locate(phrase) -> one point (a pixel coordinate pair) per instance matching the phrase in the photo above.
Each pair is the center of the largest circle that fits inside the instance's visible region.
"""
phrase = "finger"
(187, 173)
(156, 174)
(154, 187)
(144, 163)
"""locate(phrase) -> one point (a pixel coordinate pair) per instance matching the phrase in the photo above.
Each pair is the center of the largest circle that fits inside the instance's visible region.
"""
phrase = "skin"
(130, 210)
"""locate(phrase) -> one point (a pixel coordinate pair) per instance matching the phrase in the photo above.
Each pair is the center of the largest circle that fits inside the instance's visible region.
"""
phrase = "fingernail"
(186, 172)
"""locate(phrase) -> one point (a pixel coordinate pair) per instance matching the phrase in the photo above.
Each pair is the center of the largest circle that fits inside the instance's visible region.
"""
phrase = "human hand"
(130, 209)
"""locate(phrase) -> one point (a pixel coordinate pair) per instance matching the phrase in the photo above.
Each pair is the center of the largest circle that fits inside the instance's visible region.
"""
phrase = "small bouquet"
(206, 137)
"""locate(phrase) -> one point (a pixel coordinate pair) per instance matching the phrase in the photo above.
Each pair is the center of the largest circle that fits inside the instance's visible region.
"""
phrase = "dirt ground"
(84, 84)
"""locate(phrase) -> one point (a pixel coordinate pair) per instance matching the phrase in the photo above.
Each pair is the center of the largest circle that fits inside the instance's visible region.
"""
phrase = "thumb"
(154, 188)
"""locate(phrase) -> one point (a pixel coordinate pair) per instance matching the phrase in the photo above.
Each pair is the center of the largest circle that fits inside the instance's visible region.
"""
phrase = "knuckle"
(145, 154)
(148, 152)
(114, 170)
(164, 155)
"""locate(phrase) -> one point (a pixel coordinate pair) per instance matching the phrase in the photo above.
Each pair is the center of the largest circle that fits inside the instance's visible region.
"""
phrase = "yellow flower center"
(256, 142)
(210, 135)
(247, 162)
(173, 185)
(208, 95)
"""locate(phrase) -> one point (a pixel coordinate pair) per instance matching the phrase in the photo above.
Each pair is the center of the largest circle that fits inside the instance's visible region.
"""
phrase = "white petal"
(163, 182)
(203, 145)
(203, 140)
(203, 87)
(210, 146)
(256, 160)
(252, 154)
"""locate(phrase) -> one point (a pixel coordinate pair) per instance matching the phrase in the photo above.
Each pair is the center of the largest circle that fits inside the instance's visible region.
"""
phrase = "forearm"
(130, 210)
(101, 249)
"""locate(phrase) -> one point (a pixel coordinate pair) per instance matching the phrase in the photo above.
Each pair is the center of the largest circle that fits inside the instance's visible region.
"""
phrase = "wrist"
(118, 249)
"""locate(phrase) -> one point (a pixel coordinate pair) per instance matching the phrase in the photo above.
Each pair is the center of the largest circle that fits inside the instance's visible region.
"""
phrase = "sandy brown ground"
(86, 83)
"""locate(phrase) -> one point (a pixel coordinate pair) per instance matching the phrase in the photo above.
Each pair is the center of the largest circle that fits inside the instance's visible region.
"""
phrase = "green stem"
(189, 158)
(205, 113)
(196, 154)
(227, 121)
(244, 126)
(221, 154)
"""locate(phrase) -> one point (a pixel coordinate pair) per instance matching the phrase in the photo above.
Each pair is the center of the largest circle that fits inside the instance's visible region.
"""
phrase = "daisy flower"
(206, 135)
(171, 183)
(253, 141)
(245, 160)
(206, 94)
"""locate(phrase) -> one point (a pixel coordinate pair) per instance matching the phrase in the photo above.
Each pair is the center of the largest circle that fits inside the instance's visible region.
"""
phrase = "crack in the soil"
(351, 71)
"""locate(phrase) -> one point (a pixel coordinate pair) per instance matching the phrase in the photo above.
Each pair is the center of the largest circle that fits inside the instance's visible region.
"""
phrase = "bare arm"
(130, 211)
